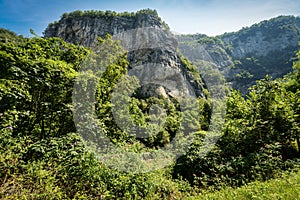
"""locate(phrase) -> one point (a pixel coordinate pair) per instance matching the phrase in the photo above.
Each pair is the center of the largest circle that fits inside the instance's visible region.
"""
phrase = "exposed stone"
(152, 50)
(85, 30)
(264, 42)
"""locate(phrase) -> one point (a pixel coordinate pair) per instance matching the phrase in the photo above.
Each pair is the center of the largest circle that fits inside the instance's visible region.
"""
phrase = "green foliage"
(8, 36)
(210, 40)
(36, 79)
(60, 168)
(260, 138)
(108, 15)
(252, 68)
(42, 156)
(285, 187)
(193, 72)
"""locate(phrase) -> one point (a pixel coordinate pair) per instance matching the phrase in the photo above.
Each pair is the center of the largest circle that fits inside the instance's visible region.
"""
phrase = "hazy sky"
(211, 17)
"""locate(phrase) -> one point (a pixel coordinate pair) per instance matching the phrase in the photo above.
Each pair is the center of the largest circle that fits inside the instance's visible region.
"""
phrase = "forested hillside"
(44, 155)
(268, 47)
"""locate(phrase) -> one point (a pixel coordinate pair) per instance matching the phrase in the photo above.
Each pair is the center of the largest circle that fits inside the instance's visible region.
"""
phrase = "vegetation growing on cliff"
(270, 28)
(109, 14)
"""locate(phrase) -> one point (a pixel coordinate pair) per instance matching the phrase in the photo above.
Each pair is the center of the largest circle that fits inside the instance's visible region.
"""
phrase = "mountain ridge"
(249, 54)
(242, 57)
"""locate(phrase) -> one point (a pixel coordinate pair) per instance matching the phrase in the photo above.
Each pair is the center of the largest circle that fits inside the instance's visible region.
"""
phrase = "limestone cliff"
(267, 36)
(152, 50)
(242, 57)
(84, 27)
(208, 49)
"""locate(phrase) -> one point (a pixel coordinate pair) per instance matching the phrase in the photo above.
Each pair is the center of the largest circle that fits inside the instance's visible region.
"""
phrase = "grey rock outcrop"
(268, 36)
(152, 50)
(242, 57)
(84, 30)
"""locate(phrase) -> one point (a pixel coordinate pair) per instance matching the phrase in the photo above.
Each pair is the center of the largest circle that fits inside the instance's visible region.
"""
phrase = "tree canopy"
(42, 156)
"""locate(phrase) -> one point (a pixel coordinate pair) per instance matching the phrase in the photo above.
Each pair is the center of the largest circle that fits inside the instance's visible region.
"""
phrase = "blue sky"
(211, 17)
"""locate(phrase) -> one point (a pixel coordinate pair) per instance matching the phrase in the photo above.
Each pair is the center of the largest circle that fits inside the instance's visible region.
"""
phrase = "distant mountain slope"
(249, 54)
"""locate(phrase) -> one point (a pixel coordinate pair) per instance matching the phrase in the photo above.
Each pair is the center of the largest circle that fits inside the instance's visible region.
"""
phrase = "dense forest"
(42, 156)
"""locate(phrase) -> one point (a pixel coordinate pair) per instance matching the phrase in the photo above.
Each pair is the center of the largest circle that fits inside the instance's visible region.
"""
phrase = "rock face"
(249, 54)
(201, 47)
(154, 60)
(260, 39)
(152, 49)
(84, 29)
(242, 57)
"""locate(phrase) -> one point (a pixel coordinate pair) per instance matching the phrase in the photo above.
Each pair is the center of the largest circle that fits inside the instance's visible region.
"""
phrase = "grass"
(286, 188)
